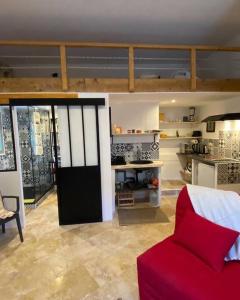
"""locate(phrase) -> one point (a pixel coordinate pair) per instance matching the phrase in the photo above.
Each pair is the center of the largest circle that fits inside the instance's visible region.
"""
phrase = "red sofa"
(168, 271)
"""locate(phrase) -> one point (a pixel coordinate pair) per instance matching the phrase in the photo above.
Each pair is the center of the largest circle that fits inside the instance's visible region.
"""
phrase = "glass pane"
(36, 151)
(218, 65)
(63, 133)
(20, 61)
(90, 135)
(7, 160)
(75, 118)
(97, 63)
(157, 64)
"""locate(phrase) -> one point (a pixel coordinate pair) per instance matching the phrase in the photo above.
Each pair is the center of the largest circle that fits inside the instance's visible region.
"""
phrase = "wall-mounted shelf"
(149, 134)
(136, 134)
(180, 137)
(178, 123)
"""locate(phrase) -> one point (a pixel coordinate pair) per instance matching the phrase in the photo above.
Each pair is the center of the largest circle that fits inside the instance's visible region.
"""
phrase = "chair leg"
(3, 228)
(19, 227)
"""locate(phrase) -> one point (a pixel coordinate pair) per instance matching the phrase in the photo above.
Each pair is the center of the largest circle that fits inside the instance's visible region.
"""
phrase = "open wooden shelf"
(135, 134)
(178, 123)
(179, 138)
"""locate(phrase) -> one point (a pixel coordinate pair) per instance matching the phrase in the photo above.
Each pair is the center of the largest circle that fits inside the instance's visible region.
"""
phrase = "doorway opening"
(37, 153)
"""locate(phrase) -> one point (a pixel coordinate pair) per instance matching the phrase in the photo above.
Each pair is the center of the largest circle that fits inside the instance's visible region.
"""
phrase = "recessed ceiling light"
(173, 100)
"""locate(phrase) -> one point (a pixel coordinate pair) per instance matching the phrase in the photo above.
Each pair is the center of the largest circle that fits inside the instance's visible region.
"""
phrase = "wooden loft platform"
(115, 85)
(59, 86)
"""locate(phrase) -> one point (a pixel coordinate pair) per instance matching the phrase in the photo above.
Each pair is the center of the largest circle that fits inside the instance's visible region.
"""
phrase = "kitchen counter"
(155, 164)
(210, 159)
(131, 170)
(215, 172)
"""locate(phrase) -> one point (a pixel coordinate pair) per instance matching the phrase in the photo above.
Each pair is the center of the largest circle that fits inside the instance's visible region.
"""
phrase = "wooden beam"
(64, 76)
(51, 87)
(19, 85)
(131, 77)
(218, 85)
(45, 95)
(4, 100)
(193, 69)
(115, 45)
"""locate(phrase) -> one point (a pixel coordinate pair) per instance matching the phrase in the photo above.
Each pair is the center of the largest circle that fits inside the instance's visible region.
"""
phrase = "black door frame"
(52, 102)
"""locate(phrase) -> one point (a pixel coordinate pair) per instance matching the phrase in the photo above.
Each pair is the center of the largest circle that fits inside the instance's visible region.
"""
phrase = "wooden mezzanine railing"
(131, 84)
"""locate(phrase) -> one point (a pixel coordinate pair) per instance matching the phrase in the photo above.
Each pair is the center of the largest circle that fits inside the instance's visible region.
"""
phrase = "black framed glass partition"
(7, 147)
(75, 125)
(36, 151)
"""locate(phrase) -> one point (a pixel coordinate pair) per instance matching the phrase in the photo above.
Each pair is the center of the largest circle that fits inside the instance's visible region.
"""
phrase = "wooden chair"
(14, 216)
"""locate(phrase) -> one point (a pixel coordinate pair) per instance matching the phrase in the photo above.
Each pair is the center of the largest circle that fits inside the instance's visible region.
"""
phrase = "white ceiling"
(150, 21)
(181, 99)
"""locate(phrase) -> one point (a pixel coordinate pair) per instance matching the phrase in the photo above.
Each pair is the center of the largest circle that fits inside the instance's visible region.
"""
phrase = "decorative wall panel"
(7, 160)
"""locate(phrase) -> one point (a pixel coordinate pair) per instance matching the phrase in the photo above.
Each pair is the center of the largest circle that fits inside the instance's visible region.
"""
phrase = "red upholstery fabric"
(168, 271)
(183, 203)
(205, 239)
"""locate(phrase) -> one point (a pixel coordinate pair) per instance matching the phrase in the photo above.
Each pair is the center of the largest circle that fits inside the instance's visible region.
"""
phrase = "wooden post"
(193, 69)
(64, 68)
(131, 69)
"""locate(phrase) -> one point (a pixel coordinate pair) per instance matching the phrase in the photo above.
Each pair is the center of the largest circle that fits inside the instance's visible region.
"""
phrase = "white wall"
(171, 164)
(11, 182)
(135, 115)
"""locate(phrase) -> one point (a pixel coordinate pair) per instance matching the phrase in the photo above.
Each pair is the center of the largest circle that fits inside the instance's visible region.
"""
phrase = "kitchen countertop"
(155, 164)
(210, 159)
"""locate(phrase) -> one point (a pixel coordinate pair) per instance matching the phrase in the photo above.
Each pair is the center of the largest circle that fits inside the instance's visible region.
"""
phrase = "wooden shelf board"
(178, 123)
(135, 134)
(180, 137)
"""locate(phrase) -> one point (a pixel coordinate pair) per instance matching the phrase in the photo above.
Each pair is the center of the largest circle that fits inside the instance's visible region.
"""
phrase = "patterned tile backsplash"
(7, 161)
(229, 173)
(227, 145)
(130, 151)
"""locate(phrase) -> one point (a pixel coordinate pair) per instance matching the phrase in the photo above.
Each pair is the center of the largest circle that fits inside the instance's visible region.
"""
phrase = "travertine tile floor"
(172, 184)
(89, 261)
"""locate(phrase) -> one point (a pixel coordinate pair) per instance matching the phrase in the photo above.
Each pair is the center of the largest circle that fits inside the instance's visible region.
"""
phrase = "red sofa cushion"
(183, 204)
(209, 241)
(168, 271)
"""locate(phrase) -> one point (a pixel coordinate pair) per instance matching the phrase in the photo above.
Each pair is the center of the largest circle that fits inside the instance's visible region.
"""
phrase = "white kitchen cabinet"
(204, 174)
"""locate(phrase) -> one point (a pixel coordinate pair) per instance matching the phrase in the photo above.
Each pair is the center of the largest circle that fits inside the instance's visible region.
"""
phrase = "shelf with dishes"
(157, 133)
(179, 137)
(136, 134)
(178, 123)
(160, 138)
